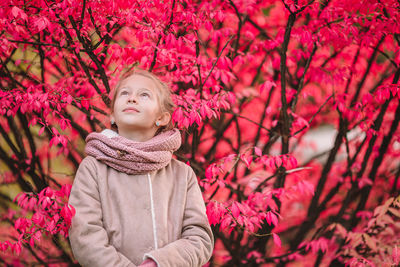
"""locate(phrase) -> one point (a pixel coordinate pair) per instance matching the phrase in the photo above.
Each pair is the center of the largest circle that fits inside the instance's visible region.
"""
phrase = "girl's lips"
(130, 110)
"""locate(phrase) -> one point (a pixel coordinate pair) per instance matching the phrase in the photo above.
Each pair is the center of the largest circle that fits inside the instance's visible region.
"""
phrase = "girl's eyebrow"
(143, 88)
(146, 89)
(130, 88)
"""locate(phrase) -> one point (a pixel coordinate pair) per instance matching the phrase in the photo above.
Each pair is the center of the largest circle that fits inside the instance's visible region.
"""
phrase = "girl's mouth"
(130, 110)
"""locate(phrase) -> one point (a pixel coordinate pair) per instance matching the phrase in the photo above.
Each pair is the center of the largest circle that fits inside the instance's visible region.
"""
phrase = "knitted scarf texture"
(133, 157)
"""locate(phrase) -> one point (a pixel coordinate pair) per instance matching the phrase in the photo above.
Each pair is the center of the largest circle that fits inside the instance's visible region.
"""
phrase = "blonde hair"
(163, 96)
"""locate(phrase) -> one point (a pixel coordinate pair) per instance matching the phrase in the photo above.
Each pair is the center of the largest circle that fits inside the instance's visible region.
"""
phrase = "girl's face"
(137, 109)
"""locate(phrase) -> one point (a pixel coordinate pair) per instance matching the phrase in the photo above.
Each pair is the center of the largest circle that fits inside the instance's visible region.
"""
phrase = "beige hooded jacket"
(122, 219)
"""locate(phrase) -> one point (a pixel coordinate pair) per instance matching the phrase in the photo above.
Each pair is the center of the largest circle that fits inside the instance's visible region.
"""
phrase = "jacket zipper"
(153, 217)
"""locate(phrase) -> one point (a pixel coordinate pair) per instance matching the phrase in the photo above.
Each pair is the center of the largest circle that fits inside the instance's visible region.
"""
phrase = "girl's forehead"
(139, 81)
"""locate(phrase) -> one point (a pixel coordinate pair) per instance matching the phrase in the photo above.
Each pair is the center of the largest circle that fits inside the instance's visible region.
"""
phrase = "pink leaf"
(278, 161)
(235, 210)
(18, 13)
(271, 218)
(41, 23)
(246, 159)
(277, 240)
(85, 104)
(266, 86)
(364, 181)
(395, 255)
(208, 26)
(258, 151)
(16, 248)
(41, 130)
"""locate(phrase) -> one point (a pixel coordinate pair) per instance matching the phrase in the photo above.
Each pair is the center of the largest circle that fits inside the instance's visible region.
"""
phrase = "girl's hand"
(148, 263)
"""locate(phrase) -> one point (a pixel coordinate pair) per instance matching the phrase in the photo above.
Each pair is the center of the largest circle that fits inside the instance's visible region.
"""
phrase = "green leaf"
(267, 10)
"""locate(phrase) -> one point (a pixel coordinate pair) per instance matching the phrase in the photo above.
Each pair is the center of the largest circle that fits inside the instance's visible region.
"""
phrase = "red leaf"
(258, 151)
(266, 86)
(41, 130)
(235, 210)
(208, 26)
(278, 161)
(41, 23)
(395, 255)
(277, 240)
(18, 13)
(85, 104)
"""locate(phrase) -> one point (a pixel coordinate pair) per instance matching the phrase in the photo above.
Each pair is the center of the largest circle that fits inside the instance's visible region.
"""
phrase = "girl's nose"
(132, 98)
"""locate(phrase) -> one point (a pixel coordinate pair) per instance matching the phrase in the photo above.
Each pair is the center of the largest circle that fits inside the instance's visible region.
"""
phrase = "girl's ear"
(164, 118)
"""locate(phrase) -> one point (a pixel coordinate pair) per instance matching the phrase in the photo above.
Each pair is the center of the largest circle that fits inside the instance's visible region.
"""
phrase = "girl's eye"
(124, 92)
(145, 95)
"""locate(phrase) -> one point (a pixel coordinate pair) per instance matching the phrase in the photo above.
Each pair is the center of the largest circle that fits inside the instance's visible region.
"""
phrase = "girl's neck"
(137, 135)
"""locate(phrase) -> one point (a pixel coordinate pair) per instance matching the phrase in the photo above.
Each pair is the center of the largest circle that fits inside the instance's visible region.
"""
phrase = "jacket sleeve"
(88, 239)
(196, 244)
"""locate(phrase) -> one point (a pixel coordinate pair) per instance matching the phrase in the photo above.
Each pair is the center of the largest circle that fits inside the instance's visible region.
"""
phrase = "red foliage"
(252, 81)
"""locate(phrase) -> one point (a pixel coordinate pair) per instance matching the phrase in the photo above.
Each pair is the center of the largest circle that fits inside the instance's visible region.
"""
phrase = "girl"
(135, 204)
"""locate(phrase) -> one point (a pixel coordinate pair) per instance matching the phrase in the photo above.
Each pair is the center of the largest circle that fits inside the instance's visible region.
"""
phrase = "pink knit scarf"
(133, 157)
